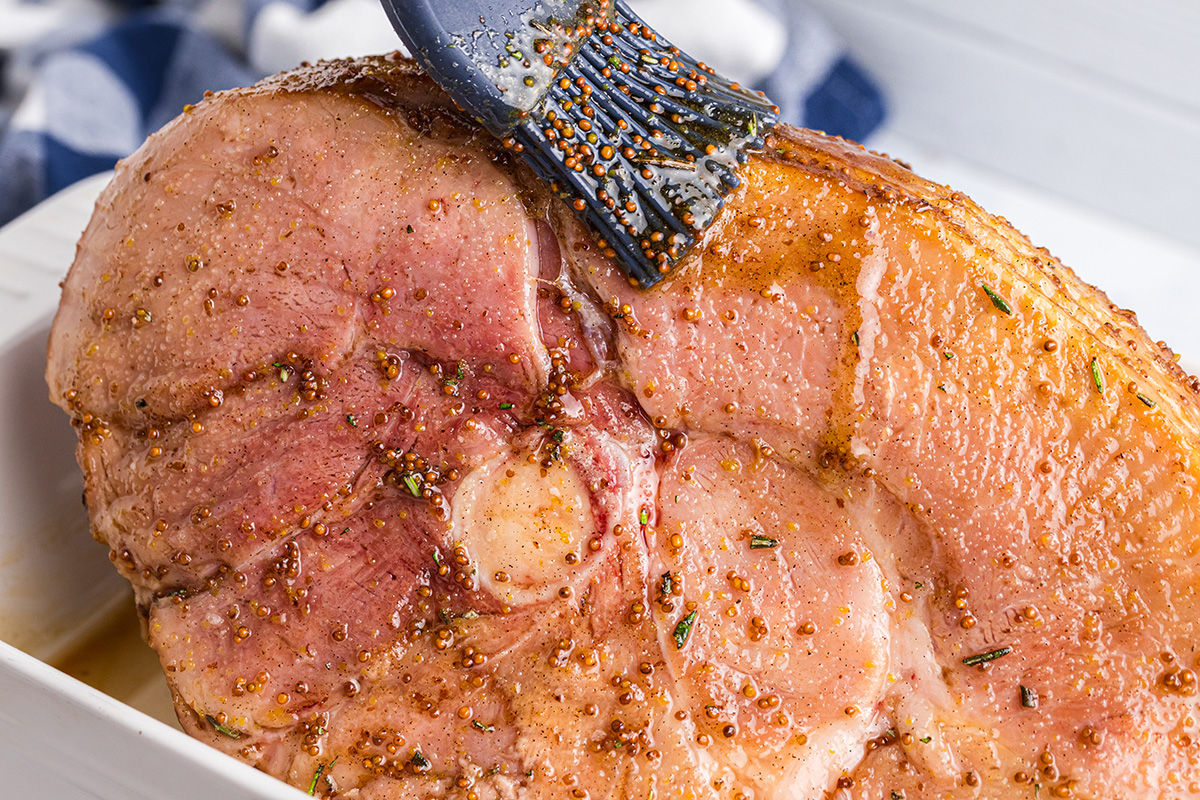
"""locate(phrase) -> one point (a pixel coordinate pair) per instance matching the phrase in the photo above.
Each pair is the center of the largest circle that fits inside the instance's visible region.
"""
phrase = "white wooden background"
(1098, 100)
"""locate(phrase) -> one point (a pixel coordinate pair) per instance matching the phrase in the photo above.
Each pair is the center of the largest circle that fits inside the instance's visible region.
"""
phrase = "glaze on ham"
(870, 498)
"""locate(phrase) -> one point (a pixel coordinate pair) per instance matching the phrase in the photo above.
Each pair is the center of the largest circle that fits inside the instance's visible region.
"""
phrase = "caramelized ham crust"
(871, 498)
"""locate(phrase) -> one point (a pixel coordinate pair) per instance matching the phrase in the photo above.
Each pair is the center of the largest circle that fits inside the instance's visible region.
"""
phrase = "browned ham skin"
(421, 499)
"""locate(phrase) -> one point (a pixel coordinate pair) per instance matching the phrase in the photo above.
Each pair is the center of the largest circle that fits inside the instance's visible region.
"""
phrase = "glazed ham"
(871, 498)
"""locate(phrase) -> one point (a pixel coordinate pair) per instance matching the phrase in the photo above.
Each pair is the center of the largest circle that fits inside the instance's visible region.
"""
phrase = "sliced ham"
(870, 498)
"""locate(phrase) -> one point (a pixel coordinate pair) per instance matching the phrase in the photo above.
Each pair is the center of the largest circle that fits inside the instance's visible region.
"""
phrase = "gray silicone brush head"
(642, 141)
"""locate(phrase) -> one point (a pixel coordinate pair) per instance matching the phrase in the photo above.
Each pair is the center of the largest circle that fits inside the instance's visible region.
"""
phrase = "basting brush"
(641, 141)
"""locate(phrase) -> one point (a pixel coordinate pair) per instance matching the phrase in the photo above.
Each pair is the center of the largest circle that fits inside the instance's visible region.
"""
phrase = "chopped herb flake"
(1029, 698)
(557, 435)
(410, 481)
(753, 126)
(419, 761)
(683, 630)
(410, 228)
(983, 658)
(644, 516)
(999, 302)
(230, 732)
(942, 386)
(506, 406)
(353, 422)
(1097, 376)
(762, 542)
(284, 373)
(926, 739)
(1146, 400)
(854, 338)
(947, 355)
(312, 787)
(480, 726)
(667, 584)
(437, 557)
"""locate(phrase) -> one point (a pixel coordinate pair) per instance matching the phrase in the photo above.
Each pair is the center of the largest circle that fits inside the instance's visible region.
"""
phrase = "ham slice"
(871, 498)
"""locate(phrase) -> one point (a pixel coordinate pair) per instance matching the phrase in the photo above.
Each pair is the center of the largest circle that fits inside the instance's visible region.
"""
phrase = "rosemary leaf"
(312, 787)
(999, 302)
(683, 630)
(230, 732)
(983, 658)
(1097, 376)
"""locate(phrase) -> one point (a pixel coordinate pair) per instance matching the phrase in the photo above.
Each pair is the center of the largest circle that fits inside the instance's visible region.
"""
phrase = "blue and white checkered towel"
(82, 82)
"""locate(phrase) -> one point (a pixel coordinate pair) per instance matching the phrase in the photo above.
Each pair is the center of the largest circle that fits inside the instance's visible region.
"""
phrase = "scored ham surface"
(870, 499)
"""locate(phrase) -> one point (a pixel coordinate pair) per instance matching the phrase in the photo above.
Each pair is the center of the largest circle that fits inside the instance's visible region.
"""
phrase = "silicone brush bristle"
(642, 141)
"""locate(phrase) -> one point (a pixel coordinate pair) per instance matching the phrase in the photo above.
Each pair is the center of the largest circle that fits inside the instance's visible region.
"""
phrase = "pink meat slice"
(420, 498)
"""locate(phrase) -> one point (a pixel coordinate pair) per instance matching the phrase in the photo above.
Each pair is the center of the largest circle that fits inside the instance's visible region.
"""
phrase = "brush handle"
(482, 52)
